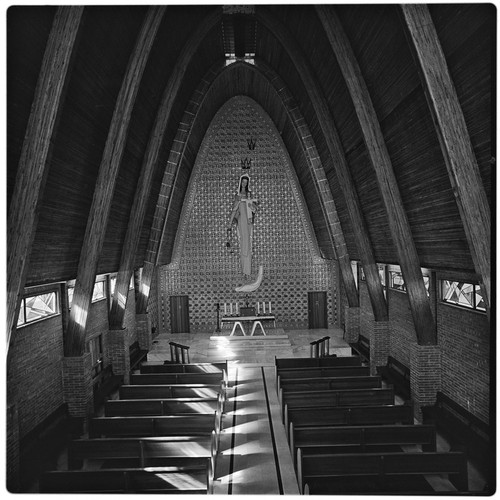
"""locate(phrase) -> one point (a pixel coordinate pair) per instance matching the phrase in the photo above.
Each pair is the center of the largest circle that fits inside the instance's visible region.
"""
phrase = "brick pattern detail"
(77, 385)
(143, 329)
(118, 352)
(284, 243)
(352, 315)
(379, 344)
(13, 454)
(425, 375)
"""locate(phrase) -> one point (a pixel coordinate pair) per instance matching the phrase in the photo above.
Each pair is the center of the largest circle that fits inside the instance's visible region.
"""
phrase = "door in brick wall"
(179, 313)
(317, 310)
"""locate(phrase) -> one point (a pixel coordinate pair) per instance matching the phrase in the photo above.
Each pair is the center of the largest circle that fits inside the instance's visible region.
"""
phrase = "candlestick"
(225, 310)
(258, 307)
(269, 307)
(230, 308)
(263, 307)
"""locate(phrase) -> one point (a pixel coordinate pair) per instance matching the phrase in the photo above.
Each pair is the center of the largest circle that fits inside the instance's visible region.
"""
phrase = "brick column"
(77, 387)
(351, 315)
(13, 451)
(379, 344)
(143, 329)
(425, 375)
(118, 353)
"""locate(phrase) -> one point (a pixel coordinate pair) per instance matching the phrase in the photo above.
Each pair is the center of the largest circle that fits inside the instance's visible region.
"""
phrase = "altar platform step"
(257, 349)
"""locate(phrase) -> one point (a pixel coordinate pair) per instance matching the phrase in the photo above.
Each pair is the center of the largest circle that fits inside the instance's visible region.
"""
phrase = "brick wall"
(284, 243)
(464, 337)
(463, 347)
(35, 372)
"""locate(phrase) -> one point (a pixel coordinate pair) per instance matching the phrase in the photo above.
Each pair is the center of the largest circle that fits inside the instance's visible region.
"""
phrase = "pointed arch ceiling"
(106, 39)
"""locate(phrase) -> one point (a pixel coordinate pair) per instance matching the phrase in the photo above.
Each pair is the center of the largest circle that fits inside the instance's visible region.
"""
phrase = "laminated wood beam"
(151, 157)
(454, 139)
(132, 236)
(321, 108)
(375, 144)
(33, 167)
(74, 344)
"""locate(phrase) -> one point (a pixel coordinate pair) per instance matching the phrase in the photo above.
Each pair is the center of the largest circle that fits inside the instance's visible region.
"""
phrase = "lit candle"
(269, 307)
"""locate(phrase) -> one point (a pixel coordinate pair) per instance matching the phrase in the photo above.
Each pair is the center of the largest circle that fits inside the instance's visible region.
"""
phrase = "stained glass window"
(463, 294)
(37, 307)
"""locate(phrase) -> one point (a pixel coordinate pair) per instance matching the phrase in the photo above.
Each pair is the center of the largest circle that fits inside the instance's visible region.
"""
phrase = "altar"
(255, 320)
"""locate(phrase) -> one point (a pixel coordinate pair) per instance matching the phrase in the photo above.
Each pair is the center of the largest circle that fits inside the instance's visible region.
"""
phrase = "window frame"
(475, 287)
(22, 307)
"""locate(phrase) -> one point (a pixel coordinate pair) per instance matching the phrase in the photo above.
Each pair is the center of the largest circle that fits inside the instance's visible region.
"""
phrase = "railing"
(179, 353)
(320, 348)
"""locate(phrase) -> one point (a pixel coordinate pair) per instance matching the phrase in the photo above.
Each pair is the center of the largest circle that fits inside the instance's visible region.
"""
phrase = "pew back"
(169, 391)
(325, 468)
(329, 383)
(151, 367)
(176, 378)
(330, 371)
(170, 425)
(355, 415)
(190, 480)
(312, 362)
(174, 406)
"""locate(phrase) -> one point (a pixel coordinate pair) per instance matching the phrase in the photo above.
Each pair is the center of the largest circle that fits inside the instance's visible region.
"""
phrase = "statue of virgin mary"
(243, 214)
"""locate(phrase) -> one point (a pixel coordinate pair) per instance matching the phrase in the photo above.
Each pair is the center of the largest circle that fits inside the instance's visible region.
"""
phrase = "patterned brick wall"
(284, 243)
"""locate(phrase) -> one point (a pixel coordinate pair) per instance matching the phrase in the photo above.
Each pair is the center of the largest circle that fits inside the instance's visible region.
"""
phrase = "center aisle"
(254, 457)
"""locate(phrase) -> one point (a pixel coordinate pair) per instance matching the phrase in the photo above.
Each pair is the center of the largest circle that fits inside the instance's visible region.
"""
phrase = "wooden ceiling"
(277, 35)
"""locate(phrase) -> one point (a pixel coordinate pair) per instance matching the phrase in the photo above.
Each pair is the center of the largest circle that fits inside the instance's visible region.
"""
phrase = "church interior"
(249, 249)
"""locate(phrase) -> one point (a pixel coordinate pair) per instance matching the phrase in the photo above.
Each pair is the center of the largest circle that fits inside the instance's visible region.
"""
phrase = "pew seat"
(378, 472)
(173, 406)
(360, 439)
(156, 367)
(162, 391)
(334, 398)
(355, 415)
(144, 452)
(140, 426)
(328, 383)
(176, 378)
(193, 480)
(283, 363)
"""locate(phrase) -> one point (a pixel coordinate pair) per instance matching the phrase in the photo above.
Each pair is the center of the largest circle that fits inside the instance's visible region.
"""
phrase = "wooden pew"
(175, 378)
(398, 375)
(333, 398)
(137, 355)
(323, 371)
(345, 415)
(141, 426)
(328, 383)
(144, 452)
(463, 429)
(378, 472)
(175, 480)
(173, 406)
(155, 367)
(283, 363)
(170, 391)
(360, 439)
(361, 348)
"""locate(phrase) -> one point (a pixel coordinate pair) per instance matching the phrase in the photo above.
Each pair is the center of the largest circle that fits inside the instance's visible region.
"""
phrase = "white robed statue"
(243, 214)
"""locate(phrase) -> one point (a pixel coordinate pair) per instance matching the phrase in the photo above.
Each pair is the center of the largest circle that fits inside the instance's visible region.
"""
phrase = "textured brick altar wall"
(284, 243)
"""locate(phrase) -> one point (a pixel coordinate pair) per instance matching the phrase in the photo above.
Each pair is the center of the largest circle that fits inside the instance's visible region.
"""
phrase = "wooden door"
(317, 310)
(179, 313)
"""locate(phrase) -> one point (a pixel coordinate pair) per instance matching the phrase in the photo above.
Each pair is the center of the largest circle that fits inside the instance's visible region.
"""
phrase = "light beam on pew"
(179, 481)
(200, 407)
